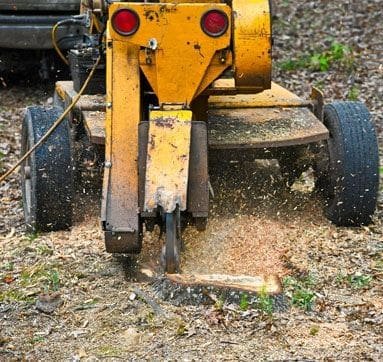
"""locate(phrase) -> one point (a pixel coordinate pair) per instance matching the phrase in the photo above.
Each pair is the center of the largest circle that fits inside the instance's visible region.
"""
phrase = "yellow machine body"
(174, 92)
(252, 45)
(176, 56)
(207, 92)
(167, 162)
(180, 61)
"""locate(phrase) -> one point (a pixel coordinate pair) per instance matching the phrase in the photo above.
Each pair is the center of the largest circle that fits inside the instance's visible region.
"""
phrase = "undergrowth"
(322, 60)
(300, 291)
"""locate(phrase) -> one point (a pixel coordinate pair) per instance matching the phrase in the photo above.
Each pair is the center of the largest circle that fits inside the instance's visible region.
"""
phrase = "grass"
(359, 281)
(37, 339)
(353, 93)
(265, 302)
(54, 279)
(150, 317)
(319, 84)
(314, 330)
(15, 295)
(42, 274)
(218, 305)
(42, 277)
(322, 60)
(303, 298)
(32, 236)
(300, 292)
(355, 281)
(244, 302)
(8, 266)
(109, 351)
(181, 328)
(1, 160)
(44, 250)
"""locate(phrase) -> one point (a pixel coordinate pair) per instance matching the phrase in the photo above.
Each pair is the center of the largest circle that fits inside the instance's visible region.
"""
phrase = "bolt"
(108, 164)
(153, 44)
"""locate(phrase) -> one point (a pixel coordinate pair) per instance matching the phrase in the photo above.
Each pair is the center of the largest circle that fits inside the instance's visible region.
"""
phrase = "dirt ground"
(103, 309)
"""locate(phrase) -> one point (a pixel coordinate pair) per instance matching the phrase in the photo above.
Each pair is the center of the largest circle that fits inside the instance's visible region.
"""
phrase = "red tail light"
(214, 23)
(125, 22)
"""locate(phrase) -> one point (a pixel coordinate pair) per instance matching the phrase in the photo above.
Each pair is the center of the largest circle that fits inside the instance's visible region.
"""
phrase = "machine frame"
(172, 96)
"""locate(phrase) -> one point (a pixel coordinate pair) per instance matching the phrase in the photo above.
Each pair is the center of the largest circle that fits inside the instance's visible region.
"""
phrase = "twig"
(157, 345)
(155, 306)
(228, 342)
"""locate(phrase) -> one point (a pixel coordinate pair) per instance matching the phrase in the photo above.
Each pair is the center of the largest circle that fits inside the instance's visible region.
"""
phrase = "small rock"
(48, 303)
(131, 337)
(147, 272)
(132, 296)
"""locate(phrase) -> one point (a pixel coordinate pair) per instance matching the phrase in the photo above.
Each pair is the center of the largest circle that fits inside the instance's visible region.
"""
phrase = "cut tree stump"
(253, 284)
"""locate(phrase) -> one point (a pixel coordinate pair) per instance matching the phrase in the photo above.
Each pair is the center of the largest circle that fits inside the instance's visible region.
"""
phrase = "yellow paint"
(252, 45)
(277, 96)
(213, 71)
(184, 56)
(195, 1)
(60, 91)
(167, 165)
(180, 62)
(120, 189)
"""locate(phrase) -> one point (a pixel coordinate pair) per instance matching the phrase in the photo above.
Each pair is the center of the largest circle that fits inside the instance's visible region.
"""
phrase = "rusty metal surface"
(245, 128)
(252, 44)
(167, 162)
(256, 284)
(65, 89)
(198, 187)
(143, 130)
(119, 212)
(94, 122)
(198, 192)
(318, 102)
(263, 127)
(92, 103)
(122, 242)
(86, 102)
(277, 96)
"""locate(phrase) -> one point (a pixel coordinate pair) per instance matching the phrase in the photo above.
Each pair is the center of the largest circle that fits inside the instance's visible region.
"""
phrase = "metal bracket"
(167, 162)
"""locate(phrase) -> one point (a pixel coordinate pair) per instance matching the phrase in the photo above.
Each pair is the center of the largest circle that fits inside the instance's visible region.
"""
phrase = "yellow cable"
(54, 125)
(96, 24)
(91, 24)
(58, 51)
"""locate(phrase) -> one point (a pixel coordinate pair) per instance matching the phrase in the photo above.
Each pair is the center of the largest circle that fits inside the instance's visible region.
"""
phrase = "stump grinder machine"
(155, 87)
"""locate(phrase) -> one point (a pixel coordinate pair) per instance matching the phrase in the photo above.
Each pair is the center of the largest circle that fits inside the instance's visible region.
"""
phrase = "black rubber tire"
(350, 182)
(47, 183)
